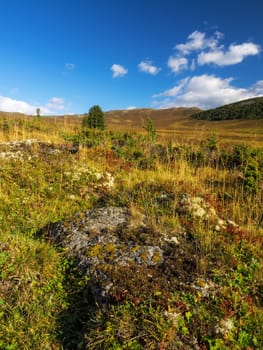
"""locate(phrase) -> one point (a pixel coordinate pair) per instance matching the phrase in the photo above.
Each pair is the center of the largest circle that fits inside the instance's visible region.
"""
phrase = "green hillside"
(246, 109)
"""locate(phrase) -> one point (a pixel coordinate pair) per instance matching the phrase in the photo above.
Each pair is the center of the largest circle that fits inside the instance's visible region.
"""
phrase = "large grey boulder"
(120, 254)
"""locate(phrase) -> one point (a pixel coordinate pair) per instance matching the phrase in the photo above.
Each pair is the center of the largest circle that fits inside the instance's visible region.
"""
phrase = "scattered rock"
(225, 326)
(12, 155)
(205, 287)
(198, 208)
(102, 180)
(25, 149)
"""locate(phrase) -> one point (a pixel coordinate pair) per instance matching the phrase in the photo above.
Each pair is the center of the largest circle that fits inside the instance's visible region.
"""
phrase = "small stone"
(199, 212)
(174, 239)
(232, 223)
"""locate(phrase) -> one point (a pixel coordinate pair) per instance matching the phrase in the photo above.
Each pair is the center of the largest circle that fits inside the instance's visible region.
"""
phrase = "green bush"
(253, 174)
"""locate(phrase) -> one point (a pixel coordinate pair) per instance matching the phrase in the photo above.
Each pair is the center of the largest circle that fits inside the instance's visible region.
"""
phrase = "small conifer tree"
(150, 129)
(94, 119)
(38, 112)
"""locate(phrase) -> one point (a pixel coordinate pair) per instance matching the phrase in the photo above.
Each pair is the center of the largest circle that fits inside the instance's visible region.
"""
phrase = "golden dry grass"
(172, 124)
(43, 306)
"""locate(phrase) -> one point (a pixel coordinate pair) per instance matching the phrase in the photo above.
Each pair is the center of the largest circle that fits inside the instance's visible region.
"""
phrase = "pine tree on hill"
(94, 119)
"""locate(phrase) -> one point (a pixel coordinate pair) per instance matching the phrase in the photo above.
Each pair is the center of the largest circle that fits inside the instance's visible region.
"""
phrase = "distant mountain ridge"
(246, 109)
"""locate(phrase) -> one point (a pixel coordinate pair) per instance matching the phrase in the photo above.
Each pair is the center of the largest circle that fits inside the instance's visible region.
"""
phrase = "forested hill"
(246, 109)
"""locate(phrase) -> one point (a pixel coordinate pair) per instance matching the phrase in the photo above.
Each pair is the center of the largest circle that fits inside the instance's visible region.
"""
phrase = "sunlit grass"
(43, 300)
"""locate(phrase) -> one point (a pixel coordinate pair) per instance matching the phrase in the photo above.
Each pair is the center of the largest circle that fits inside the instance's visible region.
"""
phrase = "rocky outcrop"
(26, 149)
(109, 247)
(123, 255)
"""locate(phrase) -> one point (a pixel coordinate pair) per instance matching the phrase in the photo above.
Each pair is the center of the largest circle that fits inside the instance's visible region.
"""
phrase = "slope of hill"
(162, 118)
(178, 123)
(245, 109)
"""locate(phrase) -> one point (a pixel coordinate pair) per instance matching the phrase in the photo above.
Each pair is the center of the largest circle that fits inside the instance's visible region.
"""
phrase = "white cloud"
(131, 108)
(148, 67)
(209, 51)
(235, 54)
(11, 105)
(258, 88)
(56, 103)
(8, 104)
(197, 41)
(205, 91)
(177, 64)
(193, 65)
(118, 70)
(173, 91)
(69, 66)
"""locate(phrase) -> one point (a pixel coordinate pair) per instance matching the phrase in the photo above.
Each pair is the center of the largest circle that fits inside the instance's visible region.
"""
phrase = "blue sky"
(64, 56)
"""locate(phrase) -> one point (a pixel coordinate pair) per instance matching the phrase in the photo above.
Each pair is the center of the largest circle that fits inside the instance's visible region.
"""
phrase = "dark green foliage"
(253, 175)
(5, 125)
(247, 160)
(135, 149)
(38, 112)
(94, 119)
(150, 129)
(127, 146)
(212, 142)
(247, 109)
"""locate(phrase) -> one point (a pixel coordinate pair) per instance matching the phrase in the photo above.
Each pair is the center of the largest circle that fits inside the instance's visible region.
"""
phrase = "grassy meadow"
(43, 299)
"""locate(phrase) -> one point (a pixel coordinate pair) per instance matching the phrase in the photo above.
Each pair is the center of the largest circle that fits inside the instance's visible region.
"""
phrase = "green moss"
(95, 251)
(135, 248)
(157, 257)
(144, 256)
(110, 248)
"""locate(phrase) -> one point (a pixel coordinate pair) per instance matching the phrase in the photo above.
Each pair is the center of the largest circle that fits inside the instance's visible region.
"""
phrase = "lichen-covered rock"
(120, 255)
(100, 180)
(120, 252)
(25, 149)
(199, 209)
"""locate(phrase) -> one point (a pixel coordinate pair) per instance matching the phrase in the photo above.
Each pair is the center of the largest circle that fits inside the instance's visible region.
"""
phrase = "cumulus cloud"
(198, 41)
(193, 65)
(8, 104)
(257, 88)
(235, 54)
(173, 91)
(118, 70)
(69, 66)
(208, 50)
(177, 64)
(205, 91)
(131, 108)
(148, 67)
